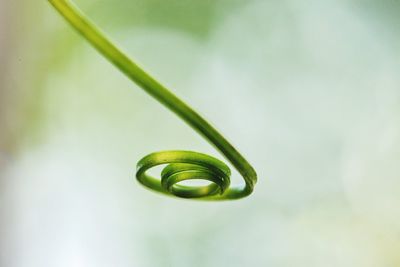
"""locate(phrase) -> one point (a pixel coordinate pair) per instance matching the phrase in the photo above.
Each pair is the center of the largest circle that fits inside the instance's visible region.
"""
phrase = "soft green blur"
(311, 97)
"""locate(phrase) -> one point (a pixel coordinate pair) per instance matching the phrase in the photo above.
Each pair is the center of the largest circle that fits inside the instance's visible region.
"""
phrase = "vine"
(180, 165)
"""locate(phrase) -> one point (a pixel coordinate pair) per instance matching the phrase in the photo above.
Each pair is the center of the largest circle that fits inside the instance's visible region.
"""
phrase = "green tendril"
(181, 166)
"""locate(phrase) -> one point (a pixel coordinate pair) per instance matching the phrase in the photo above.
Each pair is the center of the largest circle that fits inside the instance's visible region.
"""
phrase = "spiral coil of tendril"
(184, 166)
(181, 166)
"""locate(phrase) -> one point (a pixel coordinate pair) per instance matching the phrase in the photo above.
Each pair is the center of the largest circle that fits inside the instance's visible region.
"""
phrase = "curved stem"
(80, 22)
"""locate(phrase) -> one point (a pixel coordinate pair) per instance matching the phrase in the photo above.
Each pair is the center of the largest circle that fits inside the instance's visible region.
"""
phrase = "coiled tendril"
(181, 166)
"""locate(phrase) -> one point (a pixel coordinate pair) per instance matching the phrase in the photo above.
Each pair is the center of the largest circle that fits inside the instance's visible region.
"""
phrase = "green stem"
(183, 165)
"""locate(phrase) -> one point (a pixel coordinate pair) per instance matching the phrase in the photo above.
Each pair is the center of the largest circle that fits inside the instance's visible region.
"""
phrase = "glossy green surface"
(181, 165)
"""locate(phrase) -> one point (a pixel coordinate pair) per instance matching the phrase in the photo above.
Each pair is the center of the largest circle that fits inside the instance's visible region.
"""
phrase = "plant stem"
(185, 165)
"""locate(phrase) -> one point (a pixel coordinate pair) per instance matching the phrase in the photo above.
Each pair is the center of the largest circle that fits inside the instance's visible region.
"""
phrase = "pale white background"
(307, 90)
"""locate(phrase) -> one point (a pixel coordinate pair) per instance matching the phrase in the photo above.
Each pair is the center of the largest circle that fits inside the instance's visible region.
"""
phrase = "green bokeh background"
(308, 91)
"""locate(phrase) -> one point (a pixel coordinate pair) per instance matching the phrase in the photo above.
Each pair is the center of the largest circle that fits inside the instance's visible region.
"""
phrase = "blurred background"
(308, 91)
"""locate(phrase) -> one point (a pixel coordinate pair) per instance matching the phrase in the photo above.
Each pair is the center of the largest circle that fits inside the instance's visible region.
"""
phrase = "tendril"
(181, 166)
